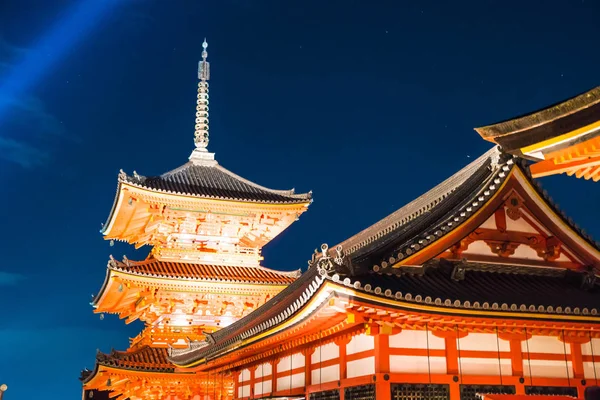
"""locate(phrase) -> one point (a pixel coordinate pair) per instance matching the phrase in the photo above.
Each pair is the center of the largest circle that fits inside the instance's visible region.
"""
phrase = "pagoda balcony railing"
(235, 256)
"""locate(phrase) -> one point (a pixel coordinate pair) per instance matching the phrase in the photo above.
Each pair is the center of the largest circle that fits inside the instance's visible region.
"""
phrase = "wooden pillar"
(236, 384)
(452, 358)
(382, 365)
(252, 379)
(274, 363)
(515, 340)
(308, 352)
(341, 343)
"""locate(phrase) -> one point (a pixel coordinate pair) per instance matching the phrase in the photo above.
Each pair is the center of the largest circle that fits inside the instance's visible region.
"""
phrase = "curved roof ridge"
(285, 192)
(417, 206)
(214, 182)
(291, 274)
(242, 273)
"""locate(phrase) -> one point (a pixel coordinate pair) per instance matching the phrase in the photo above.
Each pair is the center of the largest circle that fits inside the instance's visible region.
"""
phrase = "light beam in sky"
(72, 28)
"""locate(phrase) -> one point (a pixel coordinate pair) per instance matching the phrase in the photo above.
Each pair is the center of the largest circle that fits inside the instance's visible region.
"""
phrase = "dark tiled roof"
(432, 214)
(561, 288)
(215, 273)
(214, 182)
(406, 231)
(150, 359)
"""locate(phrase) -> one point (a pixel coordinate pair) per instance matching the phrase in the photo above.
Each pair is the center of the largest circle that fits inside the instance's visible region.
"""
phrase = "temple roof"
(513, 285)
(366, 260)
(552, 121)
(211, 273)
(212, 181)
(146, 359)
(517, 290)
(416, 215)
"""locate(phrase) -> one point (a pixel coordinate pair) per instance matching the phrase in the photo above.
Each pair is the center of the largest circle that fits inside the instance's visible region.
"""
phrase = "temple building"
(481, 288)
(561, 139)
(206, 227)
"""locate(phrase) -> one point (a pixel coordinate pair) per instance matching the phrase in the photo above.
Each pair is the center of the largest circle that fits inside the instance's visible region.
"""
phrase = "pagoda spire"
(200, 154)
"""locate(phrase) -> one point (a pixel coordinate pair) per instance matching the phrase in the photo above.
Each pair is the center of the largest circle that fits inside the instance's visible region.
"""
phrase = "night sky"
(367, 103)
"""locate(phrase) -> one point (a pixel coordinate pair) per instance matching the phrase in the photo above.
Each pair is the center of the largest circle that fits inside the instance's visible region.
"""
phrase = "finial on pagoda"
(201, 134)
(200, 154)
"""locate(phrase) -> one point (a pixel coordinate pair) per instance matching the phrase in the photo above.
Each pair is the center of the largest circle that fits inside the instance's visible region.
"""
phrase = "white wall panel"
(547, 369)
(262, 387)
(482, 342)
(545, 344)
(416, 340)
(418, 364)
(325, 352)
(327, 374)
(485, 366)
(364, 366)
(360, 343)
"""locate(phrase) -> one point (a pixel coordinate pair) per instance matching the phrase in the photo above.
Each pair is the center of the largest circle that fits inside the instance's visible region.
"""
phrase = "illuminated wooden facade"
(479, 287)
(563, 138)
(206, 227)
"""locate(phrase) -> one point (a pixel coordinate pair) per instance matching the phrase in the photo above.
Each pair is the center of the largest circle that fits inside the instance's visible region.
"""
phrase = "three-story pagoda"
(206, 227)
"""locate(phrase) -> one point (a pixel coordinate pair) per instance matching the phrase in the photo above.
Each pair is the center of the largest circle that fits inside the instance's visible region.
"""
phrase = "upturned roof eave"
(540, 117)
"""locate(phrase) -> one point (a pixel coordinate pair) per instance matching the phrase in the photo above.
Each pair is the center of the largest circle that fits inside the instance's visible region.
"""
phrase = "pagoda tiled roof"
(212, 181)
(146, 359)
(153, 267)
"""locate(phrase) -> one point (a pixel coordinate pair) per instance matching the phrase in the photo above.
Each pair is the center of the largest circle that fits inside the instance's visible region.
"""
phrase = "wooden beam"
(550, 167)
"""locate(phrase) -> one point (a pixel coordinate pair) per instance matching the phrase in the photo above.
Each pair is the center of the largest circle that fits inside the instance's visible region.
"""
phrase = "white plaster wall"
(364, 366)
(244, 376)
(262, 387)
(482, 342)
(360, 343)
(519, 225)
(590, 348)
(296, 362)
(525, 252)
(485, 366)
(263, 370)
(480, 248)
(327, 374)
(547, 369)
(544, 344)
(325, 352)
(588, 370)
(489, 223)
(417, 340)
(418, 364)
(244, 391)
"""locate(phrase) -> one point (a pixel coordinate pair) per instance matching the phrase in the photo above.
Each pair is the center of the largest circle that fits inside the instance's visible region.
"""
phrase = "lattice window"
(470, 392)
(407, 391)
(326, 395)
(364, 392)
(551, 391)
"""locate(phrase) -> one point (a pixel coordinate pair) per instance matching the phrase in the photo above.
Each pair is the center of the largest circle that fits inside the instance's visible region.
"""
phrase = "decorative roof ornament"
(200, 155)
(340, 264)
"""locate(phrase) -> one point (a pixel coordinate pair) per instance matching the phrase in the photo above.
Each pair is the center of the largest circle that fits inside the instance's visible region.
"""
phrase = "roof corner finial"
(201, 132)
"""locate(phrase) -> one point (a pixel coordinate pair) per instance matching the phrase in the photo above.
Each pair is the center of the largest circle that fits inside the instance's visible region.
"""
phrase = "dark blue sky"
(367, 103)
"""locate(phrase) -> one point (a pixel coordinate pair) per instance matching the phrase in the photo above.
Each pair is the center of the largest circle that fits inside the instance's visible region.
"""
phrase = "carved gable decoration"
(514, 232)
